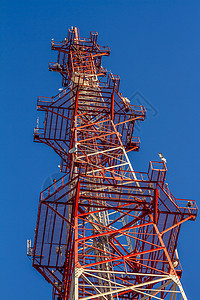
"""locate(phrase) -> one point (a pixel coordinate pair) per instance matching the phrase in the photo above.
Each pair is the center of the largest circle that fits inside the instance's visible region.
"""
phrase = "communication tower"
(104, 231)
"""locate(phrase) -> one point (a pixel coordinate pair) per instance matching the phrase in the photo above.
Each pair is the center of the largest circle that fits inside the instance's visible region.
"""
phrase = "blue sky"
(155, 48)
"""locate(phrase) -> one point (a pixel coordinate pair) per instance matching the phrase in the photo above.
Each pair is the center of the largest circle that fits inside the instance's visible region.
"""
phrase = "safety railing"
(55, 44)
(55, 186)
(138, 110)
(44, 101)
(38, 133)
(133, 144)
(187, 206)
(47, 101)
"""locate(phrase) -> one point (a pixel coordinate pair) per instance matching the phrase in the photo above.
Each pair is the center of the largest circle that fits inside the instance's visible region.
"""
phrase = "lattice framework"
(103, 231)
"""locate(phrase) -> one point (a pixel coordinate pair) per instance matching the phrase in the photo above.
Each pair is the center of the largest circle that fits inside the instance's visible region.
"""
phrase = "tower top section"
(78, 56)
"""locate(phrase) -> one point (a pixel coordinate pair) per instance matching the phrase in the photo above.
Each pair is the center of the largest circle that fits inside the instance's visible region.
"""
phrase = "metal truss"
(104, 231)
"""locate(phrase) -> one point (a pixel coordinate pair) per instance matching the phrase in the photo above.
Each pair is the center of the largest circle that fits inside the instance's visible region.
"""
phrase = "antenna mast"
(103, 230)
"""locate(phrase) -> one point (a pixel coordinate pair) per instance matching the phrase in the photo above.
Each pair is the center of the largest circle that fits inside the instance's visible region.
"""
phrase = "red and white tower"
(104, 231)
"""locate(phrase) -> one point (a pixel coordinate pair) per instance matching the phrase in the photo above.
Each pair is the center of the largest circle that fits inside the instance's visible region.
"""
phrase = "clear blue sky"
(155, 48)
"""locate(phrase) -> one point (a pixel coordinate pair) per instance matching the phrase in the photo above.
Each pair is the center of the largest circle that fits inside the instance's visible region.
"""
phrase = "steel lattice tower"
(103, 230)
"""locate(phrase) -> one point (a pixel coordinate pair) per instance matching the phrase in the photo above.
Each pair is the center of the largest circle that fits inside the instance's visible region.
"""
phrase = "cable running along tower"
(103, 230)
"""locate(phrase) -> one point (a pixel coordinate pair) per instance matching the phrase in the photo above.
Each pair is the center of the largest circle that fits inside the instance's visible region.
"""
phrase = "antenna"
(29, 248)
(38, 122)
(162, 157)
